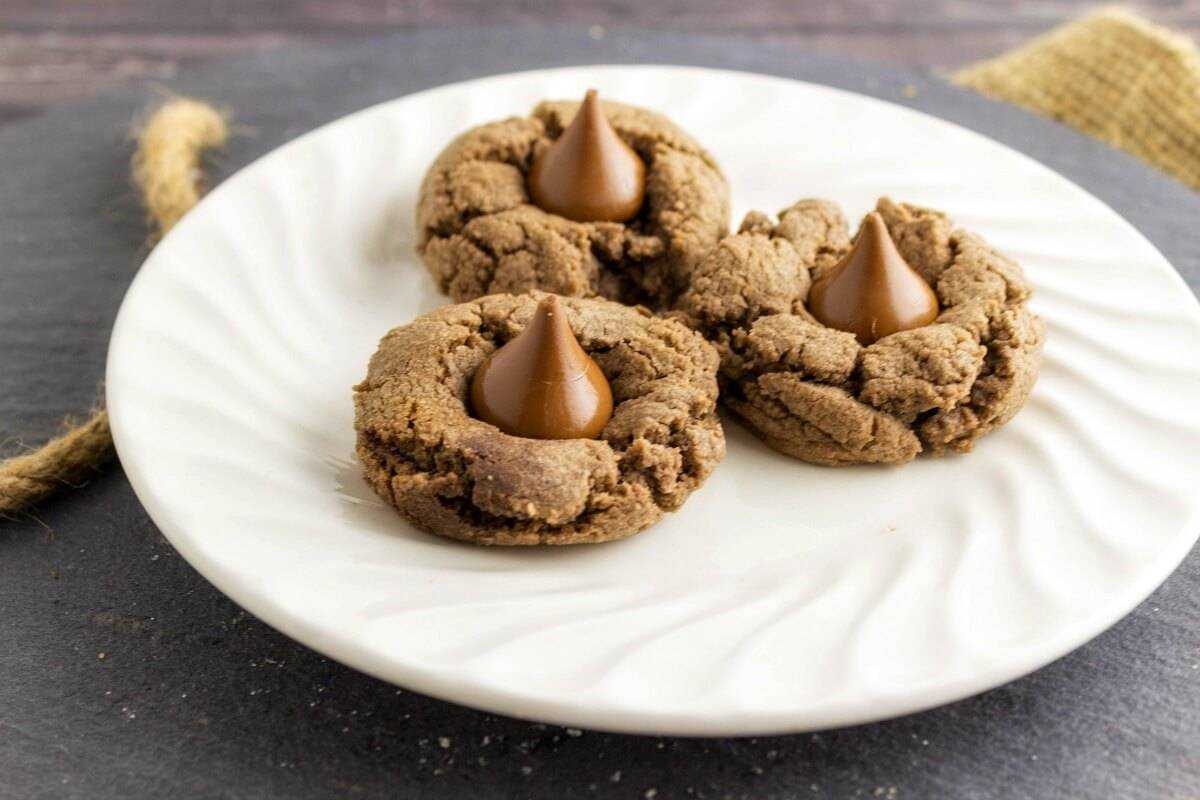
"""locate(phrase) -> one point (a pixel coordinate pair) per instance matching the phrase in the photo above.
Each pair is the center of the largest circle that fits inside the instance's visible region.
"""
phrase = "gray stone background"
(123, 674)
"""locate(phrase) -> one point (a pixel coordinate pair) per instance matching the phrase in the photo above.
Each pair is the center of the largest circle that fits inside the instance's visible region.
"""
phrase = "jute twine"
(167, 171)
(1112, 75)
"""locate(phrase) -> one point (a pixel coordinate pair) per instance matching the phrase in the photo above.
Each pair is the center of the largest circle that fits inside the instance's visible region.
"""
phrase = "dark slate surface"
(123, 674)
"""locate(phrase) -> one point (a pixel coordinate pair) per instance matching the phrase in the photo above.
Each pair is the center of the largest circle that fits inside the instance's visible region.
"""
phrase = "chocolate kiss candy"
(542, 385)
(872, 292)
(589, 174)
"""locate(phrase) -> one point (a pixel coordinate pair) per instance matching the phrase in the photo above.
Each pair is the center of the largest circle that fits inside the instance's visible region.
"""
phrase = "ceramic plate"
(782, 597)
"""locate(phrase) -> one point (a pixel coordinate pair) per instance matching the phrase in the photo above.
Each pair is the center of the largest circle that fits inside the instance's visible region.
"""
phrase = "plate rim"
(439, 683)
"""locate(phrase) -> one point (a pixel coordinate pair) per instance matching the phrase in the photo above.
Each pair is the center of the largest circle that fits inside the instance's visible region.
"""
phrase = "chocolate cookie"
(815, 393)
(457, 476)
(479, 233)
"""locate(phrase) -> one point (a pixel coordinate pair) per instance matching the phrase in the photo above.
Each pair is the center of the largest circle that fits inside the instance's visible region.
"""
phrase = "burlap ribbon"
(1112, 75)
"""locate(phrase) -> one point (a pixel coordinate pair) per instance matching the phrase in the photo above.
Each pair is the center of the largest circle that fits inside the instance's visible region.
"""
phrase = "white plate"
(782, 597)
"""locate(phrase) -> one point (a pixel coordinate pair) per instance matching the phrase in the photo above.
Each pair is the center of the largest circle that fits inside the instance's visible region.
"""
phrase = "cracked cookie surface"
(456, 476)
(479, 233)
(814, 392)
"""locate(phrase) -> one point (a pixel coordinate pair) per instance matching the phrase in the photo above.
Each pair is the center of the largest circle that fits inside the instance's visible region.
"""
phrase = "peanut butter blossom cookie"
(914, 337)
(592, 199)
(521, 420)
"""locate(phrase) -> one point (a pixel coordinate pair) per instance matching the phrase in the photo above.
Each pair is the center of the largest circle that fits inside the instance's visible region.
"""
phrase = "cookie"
(456, 476)
(479, 233)
(815, 393)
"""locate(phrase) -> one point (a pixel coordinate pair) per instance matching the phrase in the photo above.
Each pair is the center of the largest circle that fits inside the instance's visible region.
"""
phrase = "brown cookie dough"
(479, 233)
(457, 476)
(815, 393)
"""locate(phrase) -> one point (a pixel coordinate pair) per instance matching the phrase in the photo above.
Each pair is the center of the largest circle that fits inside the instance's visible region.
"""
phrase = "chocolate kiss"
(542, 385)
(589, 174)
(872, 292)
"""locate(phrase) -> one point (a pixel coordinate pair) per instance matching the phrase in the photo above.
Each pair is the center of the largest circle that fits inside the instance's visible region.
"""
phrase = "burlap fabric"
(1114, 76)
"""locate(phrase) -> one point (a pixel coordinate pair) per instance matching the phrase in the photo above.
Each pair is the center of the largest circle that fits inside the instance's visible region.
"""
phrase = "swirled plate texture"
(782, 597)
